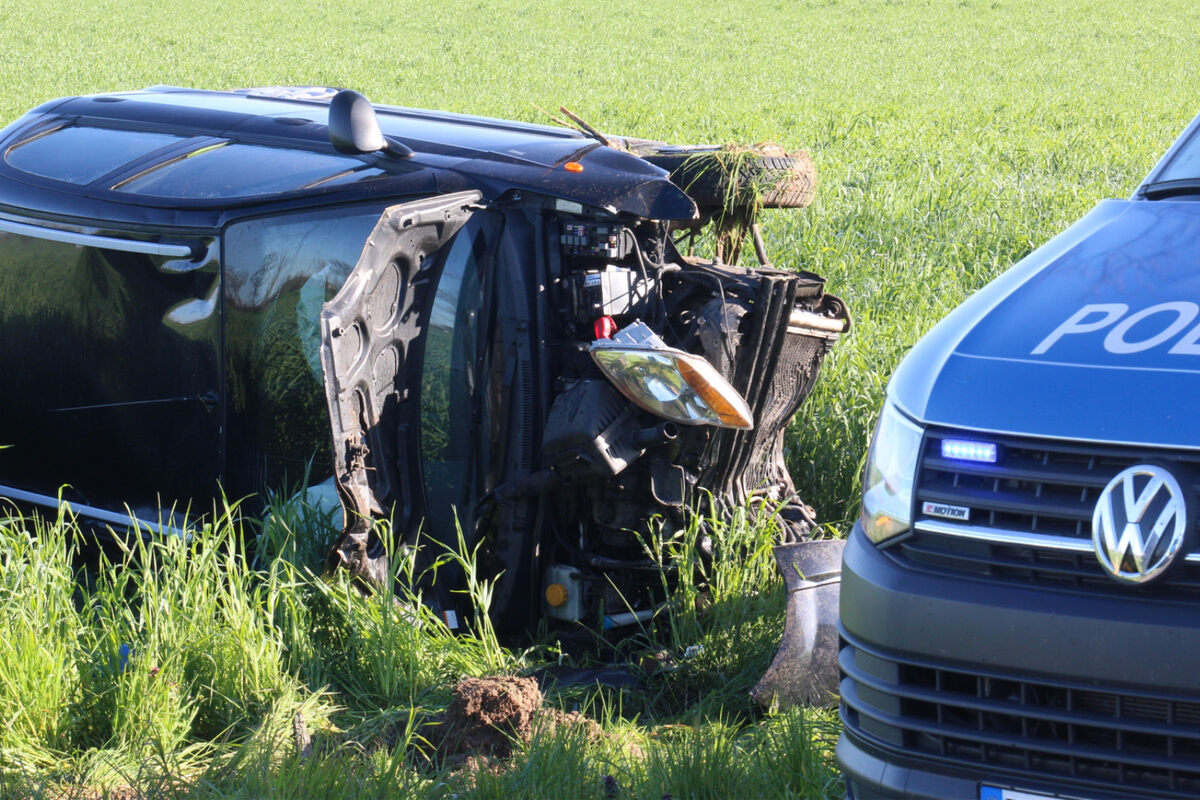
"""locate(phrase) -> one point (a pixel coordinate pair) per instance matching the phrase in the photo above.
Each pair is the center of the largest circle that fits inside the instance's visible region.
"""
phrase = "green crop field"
(951, 138)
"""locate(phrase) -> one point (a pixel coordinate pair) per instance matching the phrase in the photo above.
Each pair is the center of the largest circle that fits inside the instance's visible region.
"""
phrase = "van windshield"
(1185, 164)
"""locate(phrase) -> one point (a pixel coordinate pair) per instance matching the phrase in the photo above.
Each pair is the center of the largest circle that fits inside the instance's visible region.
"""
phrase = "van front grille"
(1028, 517)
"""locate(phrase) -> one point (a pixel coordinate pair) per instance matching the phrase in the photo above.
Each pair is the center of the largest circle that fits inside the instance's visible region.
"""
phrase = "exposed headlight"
(669, 383)
(888, 483)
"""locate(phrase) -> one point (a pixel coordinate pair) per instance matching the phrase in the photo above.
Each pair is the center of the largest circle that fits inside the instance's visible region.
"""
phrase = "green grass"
(950, 138)
(178, 668)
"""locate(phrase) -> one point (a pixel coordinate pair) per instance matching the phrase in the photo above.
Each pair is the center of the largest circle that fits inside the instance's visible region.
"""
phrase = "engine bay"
(624, 478)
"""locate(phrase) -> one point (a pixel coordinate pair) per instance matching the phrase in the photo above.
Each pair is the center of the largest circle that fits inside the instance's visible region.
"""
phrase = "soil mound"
(487, 714)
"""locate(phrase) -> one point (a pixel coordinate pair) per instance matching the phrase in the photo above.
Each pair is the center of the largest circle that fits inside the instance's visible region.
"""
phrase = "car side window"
(79, 154)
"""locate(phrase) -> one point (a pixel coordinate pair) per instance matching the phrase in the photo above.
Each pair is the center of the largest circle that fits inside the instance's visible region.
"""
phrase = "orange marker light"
(731, 416)
(573, 166)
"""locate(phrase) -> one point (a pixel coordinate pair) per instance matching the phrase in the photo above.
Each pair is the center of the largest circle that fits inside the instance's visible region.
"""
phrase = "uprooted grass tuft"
(733, 173)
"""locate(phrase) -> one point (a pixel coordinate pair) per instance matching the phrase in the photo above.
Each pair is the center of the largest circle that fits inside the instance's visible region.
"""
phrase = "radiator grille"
(1030, 513)
(1147, 745)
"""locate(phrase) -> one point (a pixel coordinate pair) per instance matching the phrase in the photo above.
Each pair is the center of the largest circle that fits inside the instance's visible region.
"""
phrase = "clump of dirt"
(488, 715)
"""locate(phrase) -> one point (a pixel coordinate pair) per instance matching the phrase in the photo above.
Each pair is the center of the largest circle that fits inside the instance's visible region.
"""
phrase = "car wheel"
(728, 177)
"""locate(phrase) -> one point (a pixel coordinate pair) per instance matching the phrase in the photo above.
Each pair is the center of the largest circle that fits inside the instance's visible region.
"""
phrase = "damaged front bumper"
(805, 670)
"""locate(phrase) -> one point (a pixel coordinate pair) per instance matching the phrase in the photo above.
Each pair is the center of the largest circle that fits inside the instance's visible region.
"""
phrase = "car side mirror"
(354, 129)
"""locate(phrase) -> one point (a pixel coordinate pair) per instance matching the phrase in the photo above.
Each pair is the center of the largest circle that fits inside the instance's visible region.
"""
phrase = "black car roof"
(189, 165)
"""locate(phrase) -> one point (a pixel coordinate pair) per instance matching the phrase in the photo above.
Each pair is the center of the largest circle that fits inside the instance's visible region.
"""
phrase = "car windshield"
(455, 442)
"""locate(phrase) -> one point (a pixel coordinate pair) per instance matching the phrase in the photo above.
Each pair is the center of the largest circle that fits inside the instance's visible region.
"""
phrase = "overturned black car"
(494, 318)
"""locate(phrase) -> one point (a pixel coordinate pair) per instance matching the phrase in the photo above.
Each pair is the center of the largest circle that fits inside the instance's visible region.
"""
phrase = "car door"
(373, 343)
(430, 354)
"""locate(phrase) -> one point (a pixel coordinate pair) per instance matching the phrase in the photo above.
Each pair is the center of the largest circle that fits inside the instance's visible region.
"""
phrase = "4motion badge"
(946, 511)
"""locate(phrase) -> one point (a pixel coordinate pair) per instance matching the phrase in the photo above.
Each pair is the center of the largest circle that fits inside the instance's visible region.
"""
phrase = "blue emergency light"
(963, 450)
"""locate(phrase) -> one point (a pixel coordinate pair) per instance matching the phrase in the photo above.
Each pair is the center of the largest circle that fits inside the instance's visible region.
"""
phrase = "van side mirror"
(354, 129)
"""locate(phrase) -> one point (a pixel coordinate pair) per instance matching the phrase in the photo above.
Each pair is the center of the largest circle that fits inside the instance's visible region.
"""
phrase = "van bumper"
(953, 684)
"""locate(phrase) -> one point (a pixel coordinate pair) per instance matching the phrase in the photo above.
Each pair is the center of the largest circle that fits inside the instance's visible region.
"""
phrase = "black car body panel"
(201, 289)
(453, 153)
(155, 327)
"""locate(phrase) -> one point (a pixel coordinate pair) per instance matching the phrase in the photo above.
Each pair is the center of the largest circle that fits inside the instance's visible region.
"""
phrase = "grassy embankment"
(951, 139)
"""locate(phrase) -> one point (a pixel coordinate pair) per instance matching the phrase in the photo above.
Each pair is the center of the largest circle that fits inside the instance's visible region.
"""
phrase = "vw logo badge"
(1139, 523)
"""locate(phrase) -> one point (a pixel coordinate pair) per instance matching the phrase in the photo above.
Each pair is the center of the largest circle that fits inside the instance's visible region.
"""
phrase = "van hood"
(1095, 335)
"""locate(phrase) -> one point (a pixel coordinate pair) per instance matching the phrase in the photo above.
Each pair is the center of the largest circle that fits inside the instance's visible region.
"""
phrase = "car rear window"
(80, 154)
(245, 170)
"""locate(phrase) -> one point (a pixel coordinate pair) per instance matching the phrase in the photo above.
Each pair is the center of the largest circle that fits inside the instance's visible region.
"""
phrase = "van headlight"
(667, 382)
(888, 482)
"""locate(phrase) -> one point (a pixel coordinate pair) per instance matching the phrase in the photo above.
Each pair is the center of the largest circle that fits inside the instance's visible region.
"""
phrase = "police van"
(1019, 598)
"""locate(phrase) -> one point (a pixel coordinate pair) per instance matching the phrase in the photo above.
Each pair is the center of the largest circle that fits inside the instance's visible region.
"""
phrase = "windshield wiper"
(1163, 189)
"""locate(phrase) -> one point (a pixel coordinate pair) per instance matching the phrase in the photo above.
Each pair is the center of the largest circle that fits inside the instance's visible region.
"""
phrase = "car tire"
(724, 178)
